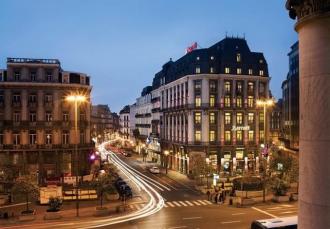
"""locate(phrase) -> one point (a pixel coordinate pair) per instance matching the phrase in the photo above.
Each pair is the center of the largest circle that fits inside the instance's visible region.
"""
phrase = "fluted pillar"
(313, 27)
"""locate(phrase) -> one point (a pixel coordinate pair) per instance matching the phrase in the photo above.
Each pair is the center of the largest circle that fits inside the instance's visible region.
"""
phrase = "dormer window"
(49, 77)
(261, 61)
(250, 71)
(198, 70)
(197, 58)
(261, 72)
(238, 57)
(17, 76)
(227, 70)
(239, 71)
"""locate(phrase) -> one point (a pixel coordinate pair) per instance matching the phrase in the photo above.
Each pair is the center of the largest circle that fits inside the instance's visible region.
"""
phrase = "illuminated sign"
(235, 128)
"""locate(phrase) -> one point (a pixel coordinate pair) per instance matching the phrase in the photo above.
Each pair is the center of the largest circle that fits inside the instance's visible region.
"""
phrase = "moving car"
(154, 170)
(283, 223)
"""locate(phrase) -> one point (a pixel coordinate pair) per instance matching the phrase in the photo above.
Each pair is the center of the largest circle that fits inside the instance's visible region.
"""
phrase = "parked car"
(119, 184)
(154, 170)
(126, 191)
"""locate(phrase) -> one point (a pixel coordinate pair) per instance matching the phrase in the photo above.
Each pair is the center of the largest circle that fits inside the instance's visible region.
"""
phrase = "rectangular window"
(261, 87)
(250, 101)
(33, 116)
(227, 136)
(198, 84)
(65, 137)
(239, 87)
(227, 101)
(227, 70)
(65, 116)
(198, 136)
(48, 138)
(211, 70)
(212, 118)
(33, 76)
(212, 100)
(239, 118)
(250, 71)
(198, 70)
(82, 137)
(261, 135)
(212, 135)
(251, 135)
(48, 98)
(261, 73)
(1, 138)
(16, 98)
(239, 71)
(49, 77)
(227, 118)
(227, 87)
(238, 57)
(239, 102)
(32, 137)
(198, 117)
(239, 135)
(261, 117)
(82, 116)
(250, 118)
(17, 75)
(213, 85)
(198, 101)
(48, 116)
(32, 98)
(250, 87)
(17, 116)
(17, 139)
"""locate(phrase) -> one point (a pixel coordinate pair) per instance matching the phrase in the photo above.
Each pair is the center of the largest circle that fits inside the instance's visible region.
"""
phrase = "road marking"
(169, 203)
(197, 217)
(165, 206)
(236, 221)
(200, 201)
(176, 203)
(262, 211)
(287, 205)
(184, 204)
(177, 227)
(208, 202)
(189, 203)
(195, 202)
(288, 212)
(239, 213)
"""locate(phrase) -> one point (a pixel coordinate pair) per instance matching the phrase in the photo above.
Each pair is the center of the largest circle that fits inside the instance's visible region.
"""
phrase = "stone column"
(190, 127)
(205, 91)
(190, 91)
(313, 27)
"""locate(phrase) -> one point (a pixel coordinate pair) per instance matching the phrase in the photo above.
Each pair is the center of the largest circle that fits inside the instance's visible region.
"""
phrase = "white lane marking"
(184, 204)
(169, 203)
(288, 212)
(197, 217)
(176, 203)
(236, 221)
(169, 185)
(138, 207)
(165, 205)
(200, 201)
(195, 202)
(207, 202)
(287, 205)
(239, 213)
(189, 203)
(262, 211)
(177, 227)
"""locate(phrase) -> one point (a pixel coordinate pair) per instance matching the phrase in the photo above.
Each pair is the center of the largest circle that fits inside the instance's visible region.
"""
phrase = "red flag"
(191, 48)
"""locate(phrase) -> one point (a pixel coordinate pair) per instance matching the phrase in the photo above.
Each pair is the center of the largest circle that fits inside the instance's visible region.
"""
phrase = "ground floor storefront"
(49, 163)
(224, 160)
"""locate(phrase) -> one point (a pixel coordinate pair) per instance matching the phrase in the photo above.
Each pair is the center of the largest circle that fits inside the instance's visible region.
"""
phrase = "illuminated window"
(261, 87)
(212, 100)
(261, 135)
(17, 138)
(227, 87)
(32, 137)
(261, 117)
(212, 118)
(227, 118)
(198, 117)
(213, 85)
(239, 118)
(48, 116)
(227, 136)
(239, 135)
(250, 87)
(212, 135)
(250, 118)
(239, 101)
(198, 101)
(250, 101)
(239, 87)
(65, 137)
(227, 101)
(211, 70)
(198, 135)
(238, 57)
(250, 71)
(251, 135)
(227, 70)
(198, 70)
(261, 73)
(239, 71)
(198, 84)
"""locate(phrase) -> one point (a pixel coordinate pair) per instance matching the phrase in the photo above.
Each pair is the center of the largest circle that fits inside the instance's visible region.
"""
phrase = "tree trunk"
(101, 199)
(27, 202)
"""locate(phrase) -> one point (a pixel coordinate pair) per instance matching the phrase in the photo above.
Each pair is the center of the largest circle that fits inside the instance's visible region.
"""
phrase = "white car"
(154, 170)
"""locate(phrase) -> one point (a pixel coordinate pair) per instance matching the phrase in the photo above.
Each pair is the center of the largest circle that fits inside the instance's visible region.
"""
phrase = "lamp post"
(207, 160)
(166, 153)
(76, 99)
(265, 103)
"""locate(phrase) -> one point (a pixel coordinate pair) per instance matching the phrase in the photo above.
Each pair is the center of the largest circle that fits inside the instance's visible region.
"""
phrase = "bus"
(276, 223)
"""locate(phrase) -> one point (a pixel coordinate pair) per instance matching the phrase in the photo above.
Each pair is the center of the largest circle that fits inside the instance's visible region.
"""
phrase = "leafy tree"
(103, 184)
(26, 186)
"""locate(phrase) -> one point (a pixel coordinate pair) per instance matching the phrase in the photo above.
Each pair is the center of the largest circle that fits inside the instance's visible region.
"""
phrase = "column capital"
(306, 9)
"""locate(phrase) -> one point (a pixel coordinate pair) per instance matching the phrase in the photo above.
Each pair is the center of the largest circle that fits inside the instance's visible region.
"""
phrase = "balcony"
(32, 105)
(17, 104)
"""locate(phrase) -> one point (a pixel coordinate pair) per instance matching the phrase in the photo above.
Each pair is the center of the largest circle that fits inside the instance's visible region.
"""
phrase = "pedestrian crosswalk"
(186, 203)
(174, 204)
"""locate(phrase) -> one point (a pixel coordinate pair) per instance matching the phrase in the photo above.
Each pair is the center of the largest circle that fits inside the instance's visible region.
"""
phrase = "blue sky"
(123, 43)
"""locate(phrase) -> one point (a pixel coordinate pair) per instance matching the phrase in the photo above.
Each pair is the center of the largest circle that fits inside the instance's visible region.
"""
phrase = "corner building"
(36, 123)
(208, 103)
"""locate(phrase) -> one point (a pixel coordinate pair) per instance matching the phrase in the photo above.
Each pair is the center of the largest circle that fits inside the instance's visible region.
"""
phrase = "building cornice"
(25, 85)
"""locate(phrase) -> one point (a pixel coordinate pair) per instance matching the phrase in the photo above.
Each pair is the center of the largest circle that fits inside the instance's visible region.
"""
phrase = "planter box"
(112, 196)
(279, 199)
(101, 211)
(27, 217)
(52, 215)
(249, 194)
(239, 201)
(294, 196)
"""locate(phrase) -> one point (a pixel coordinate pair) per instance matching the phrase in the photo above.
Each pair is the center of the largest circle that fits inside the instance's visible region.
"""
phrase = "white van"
(282, 223)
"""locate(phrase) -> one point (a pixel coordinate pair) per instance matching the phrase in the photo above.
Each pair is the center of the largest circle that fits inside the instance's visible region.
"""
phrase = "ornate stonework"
(305, 8)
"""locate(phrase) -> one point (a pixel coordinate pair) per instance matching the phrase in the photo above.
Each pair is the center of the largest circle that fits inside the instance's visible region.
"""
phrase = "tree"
(103, 184)
(54, 204)
(26, 186)
(136, 134)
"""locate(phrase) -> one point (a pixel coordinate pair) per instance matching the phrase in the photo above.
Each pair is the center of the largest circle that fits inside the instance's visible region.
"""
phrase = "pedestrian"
(220, 197)
(216, 198)
(208, 194)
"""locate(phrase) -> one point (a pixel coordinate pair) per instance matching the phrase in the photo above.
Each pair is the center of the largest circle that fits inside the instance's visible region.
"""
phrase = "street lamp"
(207, 160)
(76, 99)
(265, 103)
(166, 153)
